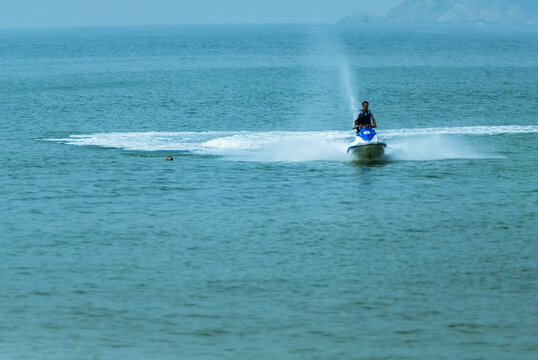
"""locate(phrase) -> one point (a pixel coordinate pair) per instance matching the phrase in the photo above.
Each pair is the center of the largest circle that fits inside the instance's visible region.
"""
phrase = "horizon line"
(112, 26)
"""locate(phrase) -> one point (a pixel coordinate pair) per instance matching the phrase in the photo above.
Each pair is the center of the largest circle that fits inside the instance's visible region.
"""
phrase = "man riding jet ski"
(366, 145)
(364, 118)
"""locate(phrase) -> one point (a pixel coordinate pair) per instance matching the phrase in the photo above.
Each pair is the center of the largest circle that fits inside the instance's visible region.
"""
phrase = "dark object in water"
(169, 158)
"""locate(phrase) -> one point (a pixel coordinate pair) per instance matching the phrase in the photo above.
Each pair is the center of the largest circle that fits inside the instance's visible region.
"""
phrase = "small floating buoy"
(169, 158)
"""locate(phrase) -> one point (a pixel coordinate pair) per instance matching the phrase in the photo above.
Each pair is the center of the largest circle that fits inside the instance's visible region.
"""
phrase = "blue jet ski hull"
(370, 151)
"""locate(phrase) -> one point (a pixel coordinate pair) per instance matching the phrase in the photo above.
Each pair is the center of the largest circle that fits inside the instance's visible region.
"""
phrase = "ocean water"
(262, 239)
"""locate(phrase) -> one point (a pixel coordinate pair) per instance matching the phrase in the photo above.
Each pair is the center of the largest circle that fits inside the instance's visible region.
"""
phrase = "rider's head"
(365, 105)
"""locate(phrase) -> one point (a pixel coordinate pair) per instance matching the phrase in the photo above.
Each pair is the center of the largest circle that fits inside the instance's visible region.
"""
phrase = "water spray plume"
(346, 79)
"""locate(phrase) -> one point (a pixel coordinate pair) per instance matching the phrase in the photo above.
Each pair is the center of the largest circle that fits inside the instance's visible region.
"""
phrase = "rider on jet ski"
(364, 118)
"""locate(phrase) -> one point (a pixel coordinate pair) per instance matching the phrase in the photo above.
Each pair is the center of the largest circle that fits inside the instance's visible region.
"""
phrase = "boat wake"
(289, 146)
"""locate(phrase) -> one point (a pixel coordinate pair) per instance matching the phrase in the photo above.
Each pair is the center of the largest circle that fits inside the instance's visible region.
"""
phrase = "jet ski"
(366, 145)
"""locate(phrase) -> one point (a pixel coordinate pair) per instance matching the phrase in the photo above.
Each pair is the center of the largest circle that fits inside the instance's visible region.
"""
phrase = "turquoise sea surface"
(262, 239)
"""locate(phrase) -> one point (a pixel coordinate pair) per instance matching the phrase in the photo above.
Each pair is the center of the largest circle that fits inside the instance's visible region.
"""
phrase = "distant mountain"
(361, 18)
(464, 11)
(456, 11)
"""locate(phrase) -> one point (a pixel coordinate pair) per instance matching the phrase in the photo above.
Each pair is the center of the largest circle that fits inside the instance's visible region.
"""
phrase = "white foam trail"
(290, 146)
(439, 143)
(281, 146)
(465, 130)
(143, 141)
(433, 147)
(248, 146)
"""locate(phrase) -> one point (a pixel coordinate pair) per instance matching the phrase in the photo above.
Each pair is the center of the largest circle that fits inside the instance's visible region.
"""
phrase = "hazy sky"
(38, 13)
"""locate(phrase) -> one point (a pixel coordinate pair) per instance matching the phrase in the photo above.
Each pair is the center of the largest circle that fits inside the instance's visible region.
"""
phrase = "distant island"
(455, 12)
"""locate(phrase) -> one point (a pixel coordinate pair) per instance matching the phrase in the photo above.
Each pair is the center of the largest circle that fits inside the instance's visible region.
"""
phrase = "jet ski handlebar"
(363, 126)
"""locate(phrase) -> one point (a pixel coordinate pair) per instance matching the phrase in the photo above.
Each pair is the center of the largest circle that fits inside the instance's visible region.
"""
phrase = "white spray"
(289, 146)
(346, 80)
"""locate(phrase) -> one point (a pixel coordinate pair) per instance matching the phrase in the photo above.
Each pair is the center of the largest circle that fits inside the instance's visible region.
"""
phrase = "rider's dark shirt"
(365, 118)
